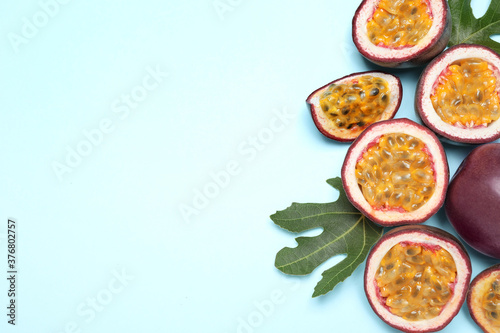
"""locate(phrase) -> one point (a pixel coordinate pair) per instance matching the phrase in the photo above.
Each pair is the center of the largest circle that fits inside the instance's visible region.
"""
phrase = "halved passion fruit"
(457, 94)
(396, 173)
(483, 299)
(416, 278)
(342, 109)
(392, 33)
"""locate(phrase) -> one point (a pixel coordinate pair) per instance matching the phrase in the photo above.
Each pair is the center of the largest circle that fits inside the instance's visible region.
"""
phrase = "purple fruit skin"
(473, 200)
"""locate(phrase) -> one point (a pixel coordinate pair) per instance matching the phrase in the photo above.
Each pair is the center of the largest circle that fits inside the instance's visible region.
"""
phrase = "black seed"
(340, 124)
(334, 114)
(479, 96)
(350, 126)
(345, 111)
(327, 108)
(361, 124)
(362, 94)
(374, 92)
(494, 314)
(414, 11)
(384, 98)
(390, 266)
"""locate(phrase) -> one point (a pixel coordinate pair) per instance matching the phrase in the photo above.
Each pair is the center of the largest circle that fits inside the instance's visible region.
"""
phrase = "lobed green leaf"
(345, 231)
(468, 29)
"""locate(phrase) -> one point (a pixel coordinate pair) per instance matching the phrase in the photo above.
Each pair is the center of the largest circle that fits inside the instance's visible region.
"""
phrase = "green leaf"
(345, 231)
(466, 28)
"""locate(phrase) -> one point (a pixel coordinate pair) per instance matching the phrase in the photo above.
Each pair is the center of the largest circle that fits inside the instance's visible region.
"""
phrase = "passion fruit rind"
(472, 199)
(434, 43)
(326, 125)
(394, 217)
(431, 236)
(427, 83)
(475, 297)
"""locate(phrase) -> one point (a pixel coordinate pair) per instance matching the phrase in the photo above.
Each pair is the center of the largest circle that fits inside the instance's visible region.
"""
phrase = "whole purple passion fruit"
(457, 95)
(483, 299)
(396, 173)
(343, 108)
(416, 278)
(473, 199)
(401, 33)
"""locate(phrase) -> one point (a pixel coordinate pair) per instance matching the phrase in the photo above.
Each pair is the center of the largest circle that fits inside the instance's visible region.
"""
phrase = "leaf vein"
(351, 263)
(471, 36)
(324, 246)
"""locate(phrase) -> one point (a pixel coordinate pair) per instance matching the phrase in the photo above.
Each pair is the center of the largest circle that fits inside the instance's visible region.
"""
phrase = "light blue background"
(224, 71)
